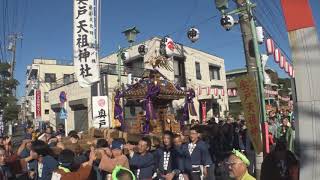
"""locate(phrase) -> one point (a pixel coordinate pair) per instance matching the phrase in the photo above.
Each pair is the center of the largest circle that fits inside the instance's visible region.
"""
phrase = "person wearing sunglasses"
(237, 165)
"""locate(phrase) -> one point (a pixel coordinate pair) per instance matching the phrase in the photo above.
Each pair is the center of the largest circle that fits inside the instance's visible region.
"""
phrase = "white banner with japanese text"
(85, 55)
(101, 118)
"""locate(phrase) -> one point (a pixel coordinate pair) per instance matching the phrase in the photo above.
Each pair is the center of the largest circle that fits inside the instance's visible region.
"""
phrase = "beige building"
(41, 75)
(191, 68)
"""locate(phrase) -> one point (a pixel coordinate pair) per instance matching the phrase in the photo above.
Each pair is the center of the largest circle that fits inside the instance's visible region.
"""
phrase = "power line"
(189, 18)
(198, 24)
(4, 28)
(1, 52)
(270, 36)
(25, 14)
(275, 24)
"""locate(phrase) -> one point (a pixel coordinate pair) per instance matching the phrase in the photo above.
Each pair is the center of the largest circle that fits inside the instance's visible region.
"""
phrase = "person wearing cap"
(114, 158)
(237, 166)
(64, 170)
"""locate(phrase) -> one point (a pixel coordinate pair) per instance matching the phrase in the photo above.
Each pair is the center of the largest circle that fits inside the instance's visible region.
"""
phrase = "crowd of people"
(212, 151)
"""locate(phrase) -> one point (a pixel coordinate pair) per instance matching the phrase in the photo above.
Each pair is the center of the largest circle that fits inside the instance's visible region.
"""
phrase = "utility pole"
(12, 47)
(254, 67)
(252, 55)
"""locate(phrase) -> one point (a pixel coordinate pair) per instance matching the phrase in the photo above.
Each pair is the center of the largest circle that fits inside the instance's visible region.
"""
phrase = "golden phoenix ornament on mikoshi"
(159, 62)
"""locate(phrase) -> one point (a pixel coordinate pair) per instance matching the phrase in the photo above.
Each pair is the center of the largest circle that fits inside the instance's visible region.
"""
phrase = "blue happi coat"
(143, 166)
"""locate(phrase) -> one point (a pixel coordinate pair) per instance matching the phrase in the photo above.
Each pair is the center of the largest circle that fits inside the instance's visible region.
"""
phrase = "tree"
(8, 102)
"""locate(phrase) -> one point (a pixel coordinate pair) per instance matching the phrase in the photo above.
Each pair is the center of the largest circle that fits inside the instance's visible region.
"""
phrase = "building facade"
(276, 93)
(41, 75)
(191, 68)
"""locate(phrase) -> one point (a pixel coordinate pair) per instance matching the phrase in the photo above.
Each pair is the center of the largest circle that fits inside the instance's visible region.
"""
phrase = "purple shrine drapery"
(189, 106)
(118, 112)
(153, 91)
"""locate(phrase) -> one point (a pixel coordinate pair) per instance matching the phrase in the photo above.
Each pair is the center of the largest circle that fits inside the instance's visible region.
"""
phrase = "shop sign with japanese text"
(100, 113)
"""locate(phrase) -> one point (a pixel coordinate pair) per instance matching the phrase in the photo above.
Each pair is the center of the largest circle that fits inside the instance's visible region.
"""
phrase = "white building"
(191, 68)
(41, 75)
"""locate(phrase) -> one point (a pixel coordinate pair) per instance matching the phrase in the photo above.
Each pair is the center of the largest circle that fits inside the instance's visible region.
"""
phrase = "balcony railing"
(63, 81)
(105, 68)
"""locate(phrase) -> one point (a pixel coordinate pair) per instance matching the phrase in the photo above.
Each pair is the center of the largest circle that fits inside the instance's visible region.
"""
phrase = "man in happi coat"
(200, 157)
(168, 163)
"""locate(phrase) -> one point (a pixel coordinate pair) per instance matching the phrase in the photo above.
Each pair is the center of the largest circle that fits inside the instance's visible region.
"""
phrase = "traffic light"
(221, 4)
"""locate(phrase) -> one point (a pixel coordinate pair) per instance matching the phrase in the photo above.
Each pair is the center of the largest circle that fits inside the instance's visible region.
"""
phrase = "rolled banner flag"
(290, 70)
(277, 55)
(282, 61)
(170, 47)
(286, 67)
(269, 46)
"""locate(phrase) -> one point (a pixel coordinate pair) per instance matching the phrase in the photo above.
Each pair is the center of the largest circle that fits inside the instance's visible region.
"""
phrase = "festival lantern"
(167, 47)
(215, 90)
(142, 49)
(290, 70)
(227, 22)
(222, 92)
(286, 67)
(277, 55)
(270, 46)
(234, 92)
(125, 55)
(199, 90)
(260, 36)
(282, 61)
(230, 92)
(208, 90)
(193, 34)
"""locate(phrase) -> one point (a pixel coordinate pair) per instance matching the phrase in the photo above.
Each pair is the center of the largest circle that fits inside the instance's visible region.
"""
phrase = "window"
(214, 72)
(49, 77)
(135, 67)
(67, 78)
(46, 96)
(198, 73)
(46, 111)
(179, 72)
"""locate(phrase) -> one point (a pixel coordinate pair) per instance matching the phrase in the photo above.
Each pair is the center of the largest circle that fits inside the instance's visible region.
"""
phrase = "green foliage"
(4, 70)
(8, 102)
(286, 84)
(10, 112)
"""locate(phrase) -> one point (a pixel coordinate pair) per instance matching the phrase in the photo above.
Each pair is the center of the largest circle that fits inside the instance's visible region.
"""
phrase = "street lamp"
(130, 34)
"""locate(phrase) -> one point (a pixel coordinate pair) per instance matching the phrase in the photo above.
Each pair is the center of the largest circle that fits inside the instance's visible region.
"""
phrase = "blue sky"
(46, 26)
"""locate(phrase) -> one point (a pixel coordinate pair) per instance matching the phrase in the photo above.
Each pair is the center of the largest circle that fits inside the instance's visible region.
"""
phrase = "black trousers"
(195, 176)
